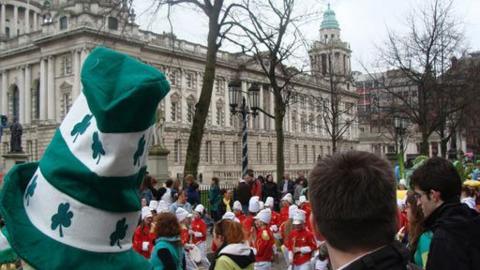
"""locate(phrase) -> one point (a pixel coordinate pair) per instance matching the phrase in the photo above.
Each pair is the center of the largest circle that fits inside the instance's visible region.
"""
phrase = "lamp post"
(400, 124)
(238, 104)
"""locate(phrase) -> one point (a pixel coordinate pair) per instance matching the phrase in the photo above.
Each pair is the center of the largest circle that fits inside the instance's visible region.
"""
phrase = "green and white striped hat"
(79, 206)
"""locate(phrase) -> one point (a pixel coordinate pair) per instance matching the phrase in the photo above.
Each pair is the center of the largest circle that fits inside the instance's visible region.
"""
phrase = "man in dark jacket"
(286, 185)
(456, 228)
(242, 194)
(360, 225)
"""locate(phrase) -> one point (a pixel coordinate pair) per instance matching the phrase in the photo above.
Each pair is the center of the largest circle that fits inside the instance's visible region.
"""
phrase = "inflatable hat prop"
(79, 206)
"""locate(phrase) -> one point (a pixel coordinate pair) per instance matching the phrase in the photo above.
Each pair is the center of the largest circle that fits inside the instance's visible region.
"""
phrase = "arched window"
(175, 108)
(190, 109)
(63, 23)
(220, 113)
(112, 23)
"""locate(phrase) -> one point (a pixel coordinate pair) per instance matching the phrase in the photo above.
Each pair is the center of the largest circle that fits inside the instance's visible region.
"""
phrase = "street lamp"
(400, 125)
(235, 96)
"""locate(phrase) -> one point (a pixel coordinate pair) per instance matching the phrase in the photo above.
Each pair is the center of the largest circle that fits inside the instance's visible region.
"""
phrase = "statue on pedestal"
(159, 129)
(16, 131)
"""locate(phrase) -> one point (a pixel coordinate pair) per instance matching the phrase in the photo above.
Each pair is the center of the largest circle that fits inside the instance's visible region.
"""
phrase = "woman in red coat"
(143, 239)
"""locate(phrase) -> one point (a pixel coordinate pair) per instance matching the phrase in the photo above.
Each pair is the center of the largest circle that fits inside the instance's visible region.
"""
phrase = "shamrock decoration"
(139, 152)
(81, 127)
(31, 188)
(63, 217)
(119, 233)
(97, 147)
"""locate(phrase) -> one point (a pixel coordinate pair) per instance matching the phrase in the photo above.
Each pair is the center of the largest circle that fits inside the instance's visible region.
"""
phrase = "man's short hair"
(250, 172)
(440, 175)
(169, 183)
(353, 200)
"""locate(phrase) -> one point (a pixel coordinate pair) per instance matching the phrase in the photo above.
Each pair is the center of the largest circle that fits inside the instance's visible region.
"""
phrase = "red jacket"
(308, 210)
(248, 227)
(298, 239)
(276, 219)
(256, 189)
(198, 225)
(264, 245)
(241, 217)
(284, 214)
(184, 235)
(143, 235)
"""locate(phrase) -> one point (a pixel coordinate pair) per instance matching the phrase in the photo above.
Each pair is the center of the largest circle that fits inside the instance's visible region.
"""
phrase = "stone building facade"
(44, 43)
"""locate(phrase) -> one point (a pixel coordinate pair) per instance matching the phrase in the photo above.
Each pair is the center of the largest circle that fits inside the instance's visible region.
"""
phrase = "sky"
(363, 23)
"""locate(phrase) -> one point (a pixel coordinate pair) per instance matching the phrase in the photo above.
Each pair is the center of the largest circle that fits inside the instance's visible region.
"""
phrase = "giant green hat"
(79, 206)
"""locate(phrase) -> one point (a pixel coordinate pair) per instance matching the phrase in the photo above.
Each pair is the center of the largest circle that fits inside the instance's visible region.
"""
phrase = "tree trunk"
(279, 116)
(201, 112)
(424, 145)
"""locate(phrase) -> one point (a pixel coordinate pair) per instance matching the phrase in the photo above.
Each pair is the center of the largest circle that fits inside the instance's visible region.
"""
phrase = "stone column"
(4, 108)
(83, 56)
(15, 22)
(168, 109)
(43, 89)
(51, 89)
(35, 21)
(21, 95)
(27, 20)
(28, 95)
(227, 105)
(76, 74)
(3, 15)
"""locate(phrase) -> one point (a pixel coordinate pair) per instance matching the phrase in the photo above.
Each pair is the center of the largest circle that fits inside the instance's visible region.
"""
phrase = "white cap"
(291, 210)
(403, 182)
(199, 208)
(182, 214)
(237, 205)
(298, 217)
(261, 205)
(162, 207)
(230, 216)
(288, 198)
(146, 212)
(153, 205)
(253, 205)
(265, 215)
(302, 199)
(269, 202)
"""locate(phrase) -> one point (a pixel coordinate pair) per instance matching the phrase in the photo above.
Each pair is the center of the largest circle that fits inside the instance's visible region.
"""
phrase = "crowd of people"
(352, 220)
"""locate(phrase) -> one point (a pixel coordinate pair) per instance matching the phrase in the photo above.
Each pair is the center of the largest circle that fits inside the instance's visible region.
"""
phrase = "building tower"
(330, 53)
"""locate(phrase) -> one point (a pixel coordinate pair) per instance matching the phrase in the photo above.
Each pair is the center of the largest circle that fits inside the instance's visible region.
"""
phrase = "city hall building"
(44, 43)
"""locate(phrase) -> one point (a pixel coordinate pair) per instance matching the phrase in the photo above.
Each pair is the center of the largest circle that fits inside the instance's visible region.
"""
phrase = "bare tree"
(270, 29)
(218, 27)
(422, 55)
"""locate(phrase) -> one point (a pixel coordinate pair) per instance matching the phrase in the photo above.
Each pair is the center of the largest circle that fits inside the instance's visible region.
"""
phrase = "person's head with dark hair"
(415, 219)
(269, 178)
(166, 225)
(182, 196)
(436, 181)
(169, 183)
(215, 181)
(353, 200)
(250, 173)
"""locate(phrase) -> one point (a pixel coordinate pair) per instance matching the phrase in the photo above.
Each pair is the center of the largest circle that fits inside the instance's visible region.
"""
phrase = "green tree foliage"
(97, 147)
(81, 126)
(119, 233)
(63, 218)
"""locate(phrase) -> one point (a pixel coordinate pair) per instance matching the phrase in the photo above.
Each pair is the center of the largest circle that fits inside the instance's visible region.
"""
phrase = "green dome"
(329, 20)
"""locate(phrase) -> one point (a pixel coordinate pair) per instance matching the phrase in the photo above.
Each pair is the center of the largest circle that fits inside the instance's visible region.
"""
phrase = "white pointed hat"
(298, 217)
(153, 205)
(253, 205)
(90, 173)
(146, 212)
(237, 205)
(182, 214)
(269, 202)
(291, 211)
(199, 208)
(288, 197)
(230, 216)
(162, 207)
(265, 215)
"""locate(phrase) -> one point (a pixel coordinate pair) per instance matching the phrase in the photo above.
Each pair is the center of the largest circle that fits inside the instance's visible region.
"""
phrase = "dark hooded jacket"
(456, 238)
(389, 257)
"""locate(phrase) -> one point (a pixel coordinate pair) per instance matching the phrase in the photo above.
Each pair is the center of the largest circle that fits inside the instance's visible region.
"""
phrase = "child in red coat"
(237, 209)
(300, 243)
(143, 239)
(264, 242)
(199, 233)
